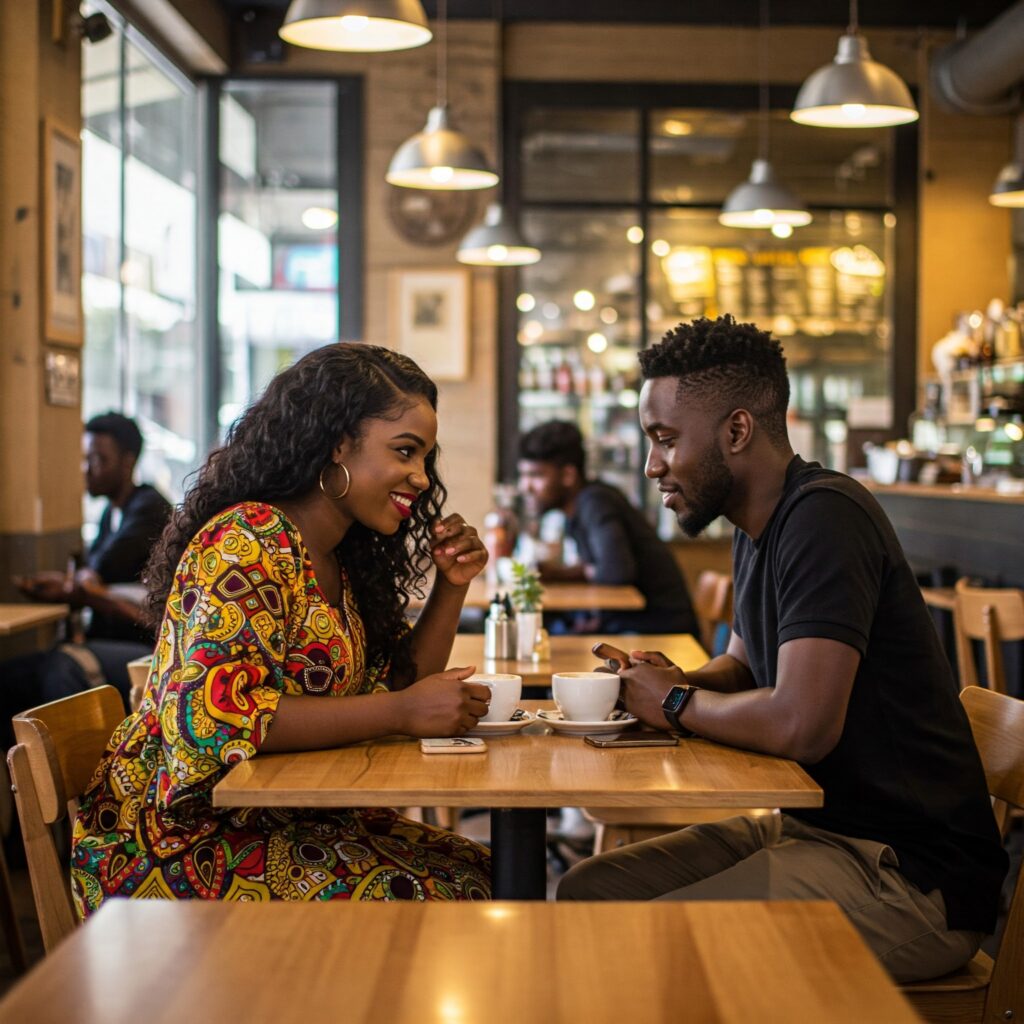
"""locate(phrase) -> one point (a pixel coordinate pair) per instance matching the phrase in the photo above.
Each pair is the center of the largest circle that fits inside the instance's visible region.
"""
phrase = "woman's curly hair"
(276, 451)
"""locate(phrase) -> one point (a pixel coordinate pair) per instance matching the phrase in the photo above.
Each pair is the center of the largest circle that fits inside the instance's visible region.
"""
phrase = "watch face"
(429, 217)
(674, 698)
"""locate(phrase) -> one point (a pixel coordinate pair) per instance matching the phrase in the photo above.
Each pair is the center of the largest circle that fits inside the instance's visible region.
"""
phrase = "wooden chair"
(59, 746)
(992, 616)
(712, 601)
(987, 990)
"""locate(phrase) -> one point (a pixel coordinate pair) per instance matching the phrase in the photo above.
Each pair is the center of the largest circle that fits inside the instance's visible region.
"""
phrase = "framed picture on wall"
(62, 234)
(430, 319)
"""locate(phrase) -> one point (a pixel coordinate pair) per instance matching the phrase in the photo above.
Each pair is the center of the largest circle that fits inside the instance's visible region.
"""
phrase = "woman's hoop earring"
(348, 482)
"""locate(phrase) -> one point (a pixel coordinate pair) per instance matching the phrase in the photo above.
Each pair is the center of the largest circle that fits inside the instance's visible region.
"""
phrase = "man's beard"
(706, 500)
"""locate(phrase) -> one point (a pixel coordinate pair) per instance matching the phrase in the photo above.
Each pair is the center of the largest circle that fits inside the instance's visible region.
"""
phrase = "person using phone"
(833, 662)
(280, 585)
(108, 585)
(616, 543)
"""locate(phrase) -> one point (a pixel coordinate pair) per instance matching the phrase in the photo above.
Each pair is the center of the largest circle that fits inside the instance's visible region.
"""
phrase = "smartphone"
(614, 657)
(453, 745)
(634, 739)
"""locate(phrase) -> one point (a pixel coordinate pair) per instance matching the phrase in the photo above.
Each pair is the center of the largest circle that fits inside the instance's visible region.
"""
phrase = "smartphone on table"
(642, 738)
(614, 657)
(453, 745)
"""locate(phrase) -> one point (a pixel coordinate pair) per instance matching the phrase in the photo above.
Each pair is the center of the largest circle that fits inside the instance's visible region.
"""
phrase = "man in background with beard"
(833, 662)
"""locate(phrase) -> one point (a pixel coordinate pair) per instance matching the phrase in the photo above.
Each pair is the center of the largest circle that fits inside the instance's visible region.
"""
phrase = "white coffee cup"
(585, 696)
(506, 689)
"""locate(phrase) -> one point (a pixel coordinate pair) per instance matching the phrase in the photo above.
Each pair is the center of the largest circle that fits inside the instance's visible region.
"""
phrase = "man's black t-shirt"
(621, 545)
(906, 771)
(119, 556)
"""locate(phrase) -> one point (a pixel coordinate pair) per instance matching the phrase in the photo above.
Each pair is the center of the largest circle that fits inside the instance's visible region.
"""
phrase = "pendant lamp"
(1008, 189)
(356, 25)
(762, 201)
(854, 91)
(497, 242)
(440, 157)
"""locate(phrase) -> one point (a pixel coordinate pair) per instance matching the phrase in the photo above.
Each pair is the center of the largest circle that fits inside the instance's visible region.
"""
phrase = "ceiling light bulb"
(355, 23)
(584, 300)
(660, 247)
(782, 230)
(853, 111)
(525, 302)
(635, 234)
(442, 174)
(319, 218)
(597, 342)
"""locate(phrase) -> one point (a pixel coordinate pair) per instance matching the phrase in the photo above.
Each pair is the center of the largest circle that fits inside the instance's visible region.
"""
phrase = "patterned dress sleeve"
(229, 615)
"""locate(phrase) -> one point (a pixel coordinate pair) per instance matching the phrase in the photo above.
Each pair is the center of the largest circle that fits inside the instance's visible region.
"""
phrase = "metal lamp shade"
(1009, 187)
(496, 243)
(439, 157)
(356, 25)
(761, 202)
(854, 91)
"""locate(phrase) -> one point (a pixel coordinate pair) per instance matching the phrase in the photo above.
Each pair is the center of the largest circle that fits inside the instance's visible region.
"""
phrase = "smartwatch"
(674, 703)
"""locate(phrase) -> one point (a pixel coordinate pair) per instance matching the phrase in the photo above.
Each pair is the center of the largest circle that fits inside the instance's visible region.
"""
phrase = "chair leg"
(9, 919)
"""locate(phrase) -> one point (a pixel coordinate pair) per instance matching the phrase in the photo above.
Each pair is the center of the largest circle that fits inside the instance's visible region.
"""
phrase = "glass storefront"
(637, 249)
(139, 239)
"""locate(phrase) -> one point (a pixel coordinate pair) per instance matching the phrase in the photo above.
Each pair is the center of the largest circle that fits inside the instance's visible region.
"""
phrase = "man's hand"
(51, 587)
(646, 683)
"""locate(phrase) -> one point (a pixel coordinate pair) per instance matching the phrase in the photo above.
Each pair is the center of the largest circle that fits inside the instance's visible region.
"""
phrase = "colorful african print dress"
(245, 623)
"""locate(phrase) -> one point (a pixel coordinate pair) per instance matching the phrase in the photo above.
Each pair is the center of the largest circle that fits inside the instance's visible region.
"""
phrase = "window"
(621, 187)
(139, 228)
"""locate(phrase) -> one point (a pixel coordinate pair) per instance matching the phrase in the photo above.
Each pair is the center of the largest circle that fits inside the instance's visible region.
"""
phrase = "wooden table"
(519, 777)
(17, 618)
(573, 654)
(560, 597)
(461, 963)
(940, 597)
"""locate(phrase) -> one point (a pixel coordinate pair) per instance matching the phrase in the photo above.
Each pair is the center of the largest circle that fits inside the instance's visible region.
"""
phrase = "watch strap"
(679, 702)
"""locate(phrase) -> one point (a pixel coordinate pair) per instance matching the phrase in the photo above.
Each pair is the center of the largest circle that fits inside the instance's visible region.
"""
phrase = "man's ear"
(739, 426)
(569, 476)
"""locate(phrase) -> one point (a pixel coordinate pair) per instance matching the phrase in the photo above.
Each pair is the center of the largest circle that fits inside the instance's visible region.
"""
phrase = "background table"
(573, 654)
(560, 597)
(16, 618)
(518, 777)
(409, 963)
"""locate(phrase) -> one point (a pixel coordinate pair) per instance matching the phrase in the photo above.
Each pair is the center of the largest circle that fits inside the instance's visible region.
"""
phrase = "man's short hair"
(124, 431)
(723, 363)
(557, 442)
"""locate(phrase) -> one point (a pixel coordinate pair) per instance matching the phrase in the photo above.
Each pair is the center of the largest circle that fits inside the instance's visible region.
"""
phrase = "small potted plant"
(526, 599)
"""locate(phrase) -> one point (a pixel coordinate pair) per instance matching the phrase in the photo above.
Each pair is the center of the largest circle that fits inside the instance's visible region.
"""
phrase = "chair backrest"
(991, 615)
(712, 601)
(59, 746)
(997, 722)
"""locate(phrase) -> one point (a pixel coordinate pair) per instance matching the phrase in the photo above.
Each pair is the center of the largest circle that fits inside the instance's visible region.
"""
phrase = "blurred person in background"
(616, 544)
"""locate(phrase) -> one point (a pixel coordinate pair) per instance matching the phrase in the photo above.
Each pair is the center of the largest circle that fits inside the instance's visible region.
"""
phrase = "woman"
(283, 579)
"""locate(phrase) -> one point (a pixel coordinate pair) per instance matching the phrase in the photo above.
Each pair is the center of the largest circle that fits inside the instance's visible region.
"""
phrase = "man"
(833, 662)
(109, 584)
(616, 544)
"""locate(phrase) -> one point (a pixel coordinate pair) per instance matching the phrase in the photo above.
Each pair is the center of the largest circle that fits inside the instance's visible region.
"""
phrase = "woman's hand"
(443, 704)
(458, 552)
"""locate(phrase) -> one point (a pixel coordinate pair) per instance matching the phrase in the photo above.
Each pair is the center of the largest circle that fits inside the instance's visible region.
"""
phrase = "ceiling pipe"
(981, 75)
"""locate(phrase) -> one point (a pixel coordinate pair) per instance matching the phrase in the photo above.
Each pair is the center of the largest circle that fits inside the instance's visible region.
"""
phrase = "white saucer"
(501, 728)
(574, 728)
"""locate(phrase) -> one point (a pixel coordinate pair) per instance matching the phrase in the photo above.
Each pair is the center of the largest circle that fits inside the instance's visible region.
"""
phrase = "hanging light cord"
(763, 139)
(854, 27)
(442, 53)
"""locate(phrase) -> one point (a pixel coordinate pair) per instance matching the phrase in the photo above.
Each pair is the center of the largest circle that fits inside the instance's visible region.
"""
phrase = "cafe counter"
(950, 530)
